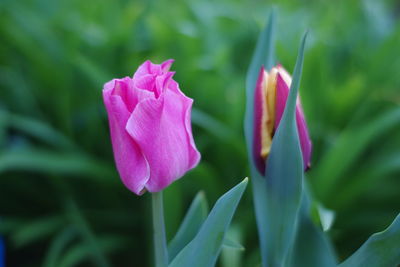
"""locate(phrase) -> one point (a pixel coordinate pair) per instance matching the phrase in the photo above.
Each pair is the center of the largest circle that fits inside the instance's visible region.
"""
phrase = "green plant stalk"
(160, 242)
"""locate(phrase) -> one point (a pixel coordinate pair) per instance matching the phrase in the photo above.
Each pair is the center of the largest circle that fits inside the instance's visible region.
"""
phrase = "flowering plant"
(279, 150)
(153, 145)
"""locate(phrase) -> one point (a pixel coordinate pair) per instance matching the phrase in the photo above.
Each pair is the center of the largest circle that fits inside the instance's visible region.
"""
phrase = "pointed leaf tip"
(381, 249)
(205, 247)
(294, 88)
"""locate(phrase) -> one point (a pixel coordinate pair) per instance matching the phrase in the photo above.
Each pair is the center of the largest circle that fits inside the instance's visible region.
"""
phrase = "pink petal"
(282, 92)
(305, 141)
(162, 82)
(166, 65)
(145, 82)
(130, 96)
(131, 164)
(259, 97)
(194, 154)
(149, 68)
(152, 77)
(162, 129)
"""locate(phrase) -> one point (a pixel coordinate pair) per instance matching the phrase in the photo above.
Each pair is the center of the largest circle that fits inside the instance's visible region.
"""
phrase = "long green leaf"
(340, 158)
(191, 224)
(82, 252)
(381, 249)
(217, 128)
(37, 129)
(39, 229)
(204, 249)
(284, 177)
(57, 246)
(47, 161)
(366, 179)
(263, 54)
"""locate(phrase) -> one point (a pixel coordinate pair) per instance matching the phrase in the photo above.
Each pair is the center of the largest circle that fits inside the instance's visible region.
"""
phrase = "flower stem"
(160, 243)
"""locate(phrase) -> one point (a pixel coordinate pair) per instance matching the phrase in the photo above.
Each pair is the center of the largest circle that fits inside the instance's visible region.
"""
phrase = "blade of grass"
(58, 244)
(87, 234)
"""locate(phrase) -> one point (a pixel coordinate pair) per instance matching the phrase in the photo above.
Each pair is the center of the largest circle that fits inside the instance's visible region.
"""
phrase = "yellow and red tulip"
(271, 93)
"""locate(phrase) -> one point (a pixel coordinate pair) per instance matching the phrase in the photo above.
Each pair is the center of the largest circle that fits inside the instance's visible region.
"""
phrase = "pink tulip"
(150, 128)
(272, 90)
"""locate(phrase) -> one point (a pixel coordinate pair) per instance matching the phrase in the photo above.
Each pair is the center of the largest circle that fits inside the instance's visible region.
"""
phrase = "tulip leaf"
(263, 54)
(190, 226)
(381, 249)
(318, 251)
(260, 199)
(284, 177)
(204, 249)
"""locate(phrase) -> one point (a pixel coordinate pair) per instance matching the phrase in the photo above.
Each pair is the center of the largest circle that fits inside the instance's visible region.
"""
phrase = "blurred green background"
(61, 200)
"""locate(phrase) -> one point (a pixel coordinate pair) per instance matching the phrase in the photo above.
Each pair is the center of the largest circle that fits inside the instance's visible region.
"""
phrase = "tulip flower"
(272, 90)
(150, 127)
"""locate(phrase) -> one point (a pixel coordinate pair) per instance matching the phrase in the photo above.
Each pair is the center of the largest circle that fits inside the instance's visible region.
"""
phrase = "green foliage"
(190, 226)
(54, 143)
(311, 247)
(232, 251)
(381, 249)
(204, 249)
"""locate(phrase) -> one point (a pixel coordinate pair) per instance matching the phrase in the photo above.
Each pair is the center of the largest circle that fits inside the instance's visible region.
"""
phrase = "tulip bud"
(150, 127)
(271, 93)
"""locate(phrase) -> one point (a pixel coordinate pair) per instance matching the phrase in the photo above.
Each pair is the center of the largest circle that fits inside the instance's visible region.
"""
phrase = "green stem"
(160, 242)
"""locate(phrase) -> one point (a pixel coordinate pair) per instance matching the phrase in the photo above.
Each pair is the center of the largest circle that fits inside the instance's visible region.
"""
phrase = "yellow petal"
(268, 116)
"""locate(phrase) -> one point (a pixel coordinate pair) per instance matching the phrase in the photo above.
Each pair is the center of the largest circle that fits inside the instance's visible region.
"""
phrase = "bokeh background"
(61, 201)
